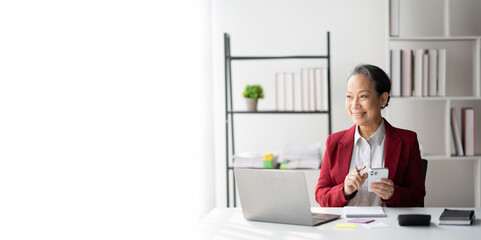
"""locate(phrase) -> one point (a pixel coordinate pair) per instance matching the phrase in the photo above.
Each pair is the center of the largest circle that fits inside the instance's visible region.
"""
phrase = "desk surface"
(229, 223)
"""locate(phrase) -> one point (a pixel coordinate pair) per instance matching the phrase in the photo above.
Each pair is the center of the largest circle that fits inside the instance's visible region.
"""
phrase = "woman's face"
(363, 104)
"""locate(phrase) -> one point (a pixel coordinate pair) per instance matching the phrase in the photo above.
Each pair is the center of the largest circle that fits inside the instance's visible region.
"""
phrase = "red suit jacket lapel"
(392, 151)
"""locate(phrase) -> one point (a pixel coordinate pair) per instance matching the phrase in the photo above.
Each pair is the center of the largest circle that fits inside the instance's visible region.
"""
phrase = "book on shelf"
(318, 89)
(289, 91)
(457, 217)
(433, 72)
(324, 96)
(456, 132)
(306, 90)
(305, 87)
(425, 73)
(298, 104)
(394, 18)
(321, 89)
(396, 72)
(311, 89)
(418, 72)
(406, 73)
(467, 118)
(280, 86)
(316, 75)
(442, 72)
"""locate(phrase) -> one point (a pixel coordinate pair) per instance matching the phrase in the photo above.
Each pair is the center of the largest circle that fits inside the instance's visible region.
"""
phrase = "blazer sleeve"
(409, 189)
(329, 192)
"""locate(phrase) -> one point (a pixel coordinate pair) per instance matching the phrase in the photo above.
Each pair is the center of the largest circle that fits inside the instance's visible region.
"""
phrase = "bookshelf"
(454, 26)
(231, 112)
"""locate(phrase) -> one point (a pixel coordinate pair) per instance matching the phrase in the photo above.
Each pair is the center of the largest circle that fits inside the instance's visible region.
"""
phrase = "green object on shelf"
(268, 164)
(253, 92)
(284, 165)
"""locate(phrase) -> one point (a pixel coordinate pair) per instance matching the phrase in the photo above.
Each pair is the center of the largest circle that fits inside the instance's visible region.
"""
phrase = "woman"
(371, 143)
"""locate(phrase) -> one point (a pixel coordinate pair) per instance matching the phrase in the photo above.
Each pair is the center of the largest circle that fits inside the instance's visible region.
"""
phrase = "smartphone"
(375, 175)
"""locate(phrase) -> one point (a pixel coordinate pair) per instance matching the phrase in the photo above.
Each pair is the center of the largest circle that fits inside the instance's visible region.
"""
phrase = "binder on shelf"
(406, 74)
(456, 132)
(425, 74)
(321, 94)
(318, 88)
(468, 130)
(442, 72)
(394, 20)
(305, 89)
(418, 72)
(396, 72)
(280, 92)
(297, 92)
(433, 72)
(311, 90)
(324, 90)
(289, 91)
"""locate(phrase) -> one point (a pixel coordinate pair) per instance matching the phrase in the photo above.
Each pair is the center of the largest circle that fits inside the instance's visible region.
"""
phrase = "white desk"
(229, 223)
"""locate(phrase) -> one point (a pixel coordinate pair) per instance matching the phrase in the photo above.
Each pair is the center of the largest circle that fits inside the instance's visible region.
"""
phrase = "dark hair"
(382, 83)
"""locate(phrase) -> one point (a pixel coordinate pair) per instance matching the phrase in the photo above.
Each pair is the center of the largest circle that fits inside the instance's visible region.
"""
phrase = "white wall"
(105, 127)
(287, 27)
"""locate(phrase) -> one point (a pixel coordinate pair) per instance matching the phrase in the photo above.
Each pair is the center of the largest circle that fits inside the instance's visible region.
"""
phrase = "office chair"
(425, 167)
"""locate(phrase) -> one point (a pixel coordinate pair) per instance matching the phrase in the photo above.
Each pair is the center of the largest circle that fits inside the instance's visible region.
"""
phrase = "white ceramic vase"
(251, 104)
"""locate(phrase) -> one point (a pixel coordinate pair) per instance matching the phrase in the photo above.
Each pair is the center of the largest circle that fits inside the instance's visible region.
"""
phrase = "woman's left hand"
(384, 189)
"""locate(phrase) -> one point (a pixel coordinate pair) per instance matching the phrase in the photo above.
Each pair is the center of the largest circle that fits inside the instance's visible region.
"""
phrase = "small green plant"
(253, 92)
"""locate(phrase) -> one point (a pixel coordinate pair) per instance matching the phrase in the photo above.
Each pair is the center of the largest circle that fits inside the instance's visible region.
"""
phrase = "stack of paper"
(301, 156)
(255, 160)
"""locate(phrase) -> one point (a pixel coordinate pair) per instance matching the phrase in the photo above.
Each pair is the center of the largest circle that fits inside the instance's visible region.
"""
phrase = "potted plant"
(252, 93)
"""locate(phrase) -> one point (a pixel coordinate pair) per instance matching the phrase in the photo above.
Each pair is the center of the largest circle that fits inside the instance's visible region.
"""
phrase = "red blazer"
(401, 157)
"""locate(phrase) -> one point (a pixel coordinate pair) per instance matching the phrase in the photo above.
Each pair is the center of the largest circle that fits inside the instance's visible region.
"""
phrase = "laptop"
(277, 196)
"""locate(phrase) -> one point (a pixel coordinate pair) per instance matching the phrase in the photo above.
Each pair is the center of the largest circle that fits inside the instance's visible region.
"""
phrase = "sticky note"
(346, 225)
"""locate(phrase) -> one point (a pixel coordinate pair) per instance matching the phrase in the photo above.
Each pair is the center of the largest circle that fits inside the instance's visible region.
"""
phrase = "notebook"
(457, 217)
(278, 196)
(364, 212)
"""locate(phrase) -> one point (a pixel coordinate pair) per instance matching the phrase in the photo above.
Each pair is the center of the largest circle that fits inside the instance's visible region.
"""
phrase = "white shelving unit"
(455, 26)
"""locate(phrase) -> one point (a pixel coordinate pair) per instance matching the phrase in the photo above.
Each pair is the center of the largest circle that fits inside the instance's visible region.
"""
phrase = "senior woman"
(371, 143)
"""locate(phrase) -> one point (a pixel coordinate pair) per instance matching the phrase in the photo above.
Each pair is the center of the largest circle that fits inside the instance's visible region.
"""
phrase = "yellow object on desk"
(345, 225)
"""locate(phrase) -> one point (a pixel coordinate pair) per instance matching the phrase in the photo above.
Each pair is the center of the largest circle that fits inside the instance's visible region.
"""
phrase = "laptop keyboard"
(317, 216)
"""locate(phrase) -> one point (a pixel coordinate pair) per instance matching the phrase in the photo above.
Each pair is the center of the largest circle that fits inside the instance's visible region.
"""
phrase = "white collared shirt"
(370, 153)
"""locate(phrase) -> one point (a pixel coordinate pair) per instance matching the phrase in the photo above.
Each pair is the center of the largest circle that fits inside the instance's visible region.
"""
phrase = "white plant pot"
(251, 104)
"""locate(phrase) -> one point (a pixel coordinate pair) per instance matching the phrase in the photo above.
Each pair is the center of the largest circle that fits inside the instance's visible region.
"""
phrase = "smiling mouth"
(358, 114)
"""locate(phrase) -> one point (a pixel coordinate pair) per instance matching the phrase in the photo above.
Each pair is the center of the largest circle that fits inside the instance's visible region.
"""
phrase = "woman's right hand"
(354, 181)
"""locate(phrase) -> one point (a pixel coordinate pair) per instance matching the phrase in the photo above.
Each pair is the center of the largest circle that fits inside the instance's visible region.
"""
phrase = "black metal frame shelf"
(229, 105)
(278, 112)
(278, 57)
